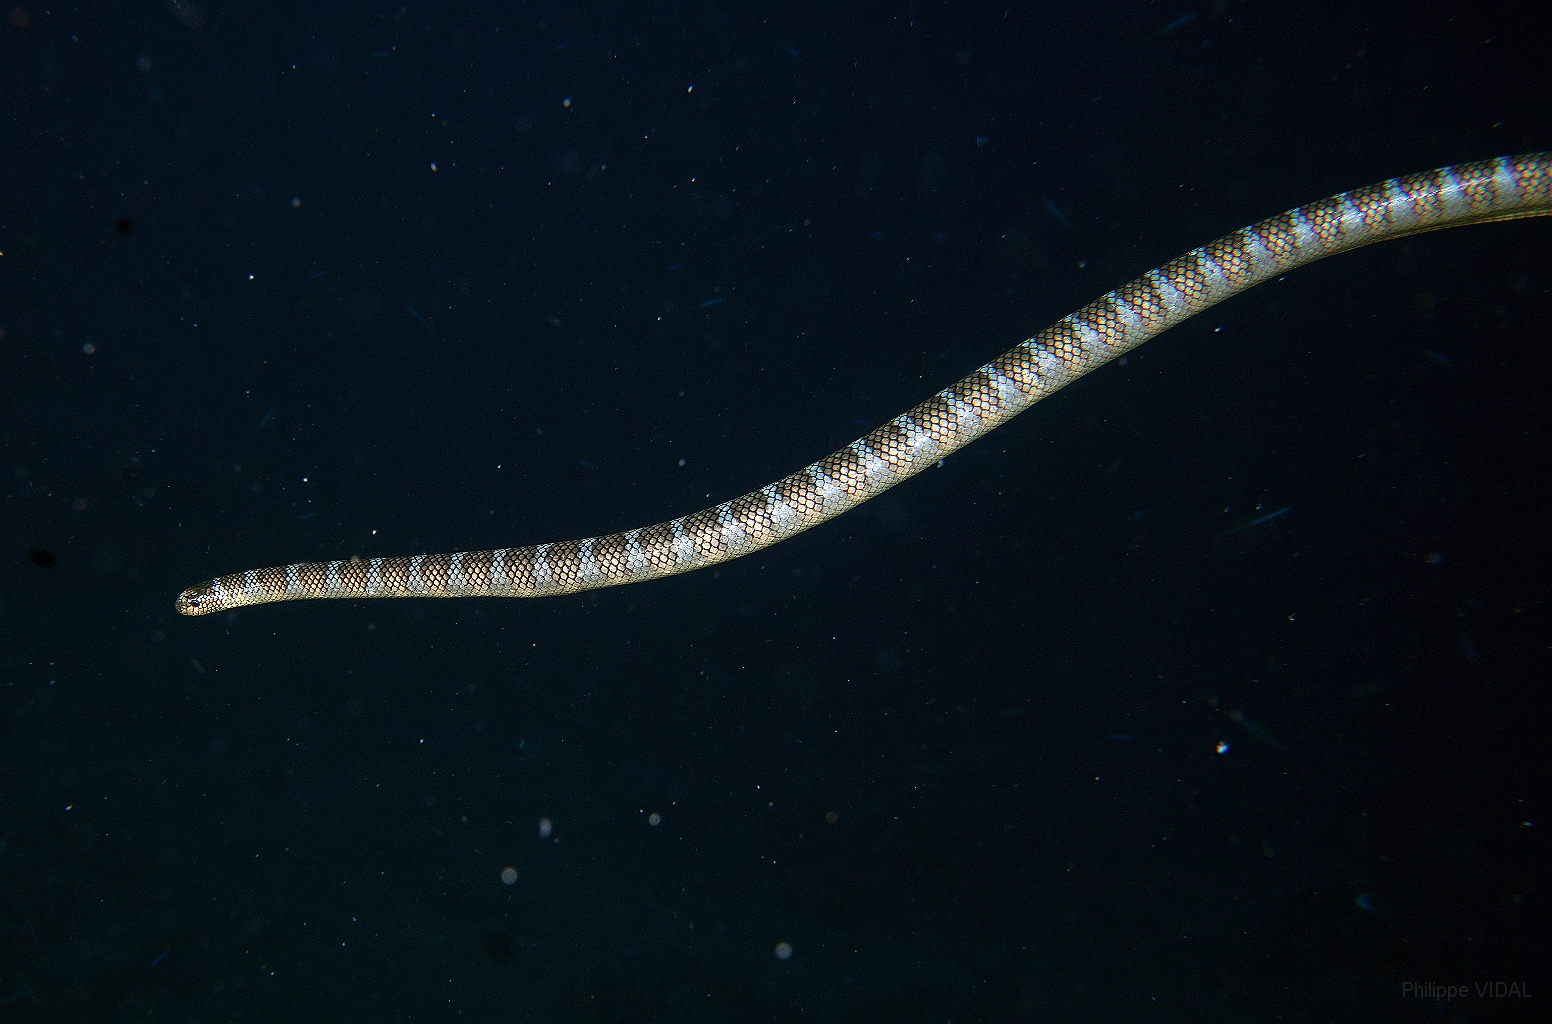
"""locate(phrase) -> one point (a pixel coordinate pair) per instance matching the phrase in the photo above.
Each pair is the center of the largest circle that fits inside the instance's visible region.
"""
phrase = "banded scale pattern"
(1506, 188)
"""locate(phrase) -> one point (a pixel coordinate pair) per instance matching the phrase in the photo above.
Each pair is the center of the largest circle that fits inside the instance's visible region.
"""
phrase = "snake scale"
(1505, 188)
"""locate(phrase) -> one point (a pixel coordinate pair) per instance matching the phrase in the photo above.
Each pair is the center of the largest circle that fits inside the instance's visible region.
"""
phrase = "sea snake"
(1506, 188)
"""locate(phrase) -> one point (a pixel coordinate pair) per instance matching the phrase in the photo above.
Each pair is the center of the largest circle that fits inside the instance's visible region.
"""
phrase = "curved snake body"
(1506, 188)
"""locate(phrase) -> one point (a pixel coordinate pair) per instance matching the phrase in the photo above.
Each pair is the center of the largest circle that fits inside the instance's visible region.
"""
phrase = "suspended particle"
(509, 876)
(784, 951)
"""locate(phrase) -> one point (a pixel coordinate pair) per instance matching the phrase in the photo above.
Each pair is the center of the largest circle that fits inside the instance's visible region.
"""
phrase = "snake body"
(1505, 188)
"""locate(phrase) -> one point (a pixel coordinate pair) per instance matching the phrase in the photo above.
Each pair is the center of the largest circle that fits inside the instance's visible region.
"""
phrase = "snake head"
(200, 600)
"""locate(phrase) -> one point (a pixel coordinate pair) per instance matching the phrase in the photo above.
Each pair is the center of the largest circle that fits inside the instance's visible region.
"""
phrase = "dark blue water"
(1082, 726)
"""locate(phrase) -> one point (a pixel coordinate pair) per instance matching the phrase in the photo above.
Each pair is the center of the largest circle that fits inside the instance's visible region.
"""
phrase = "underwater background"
(1212, 689)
